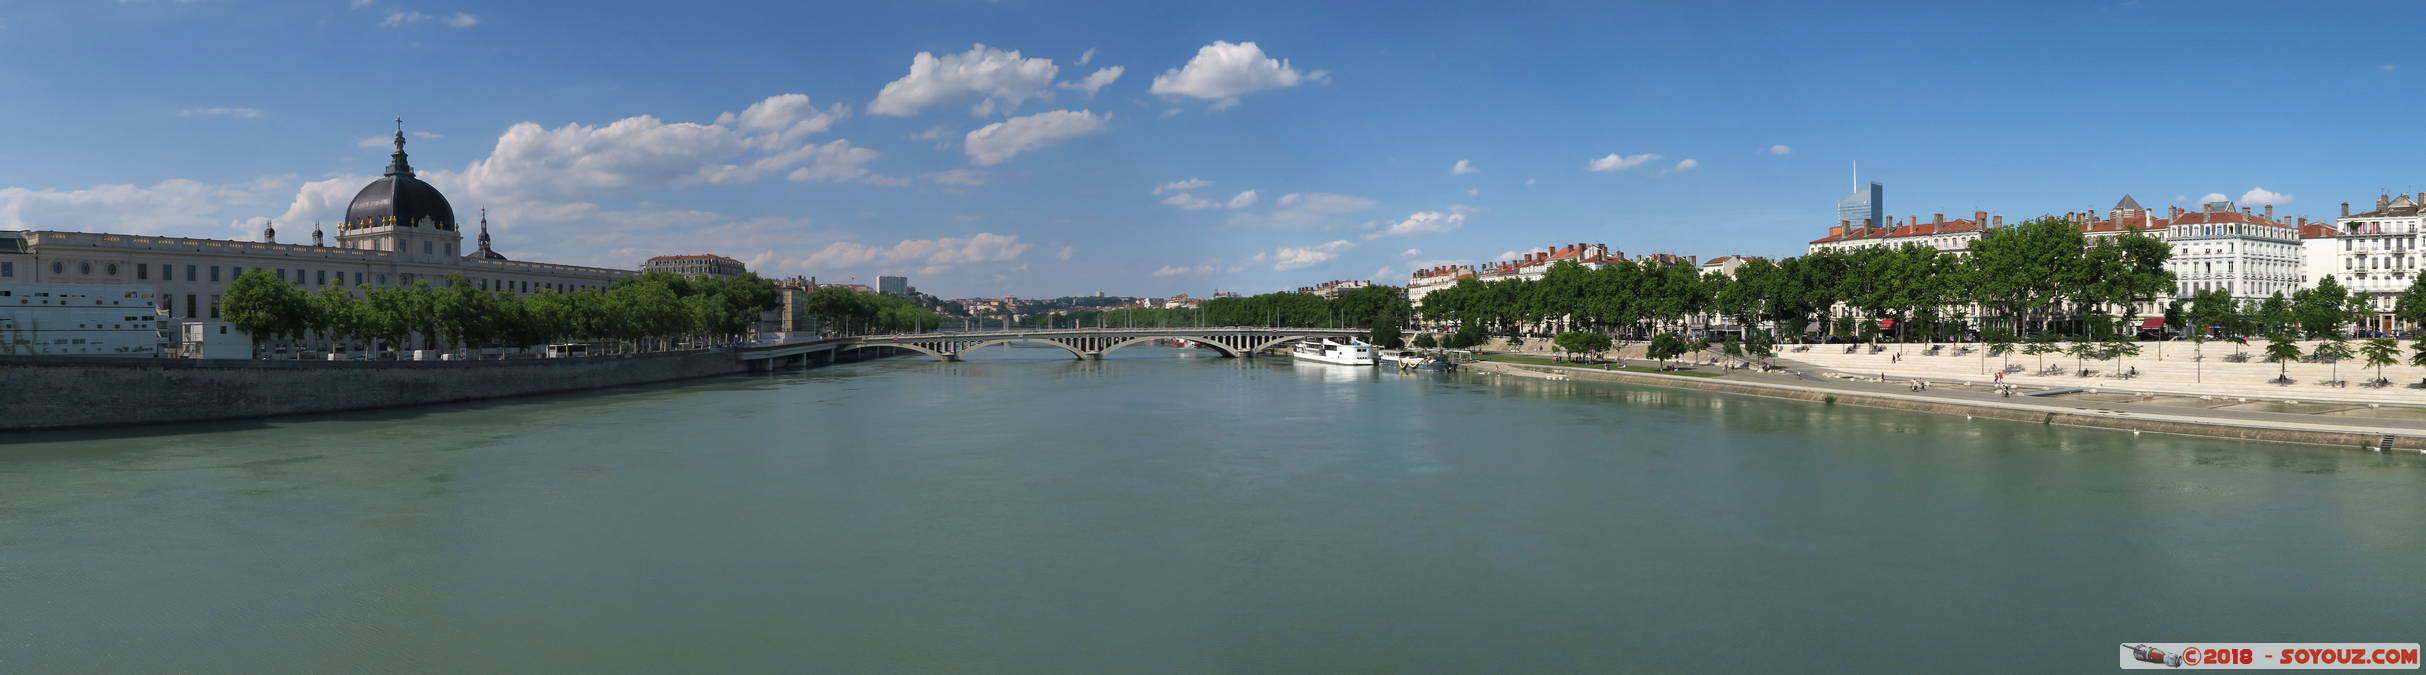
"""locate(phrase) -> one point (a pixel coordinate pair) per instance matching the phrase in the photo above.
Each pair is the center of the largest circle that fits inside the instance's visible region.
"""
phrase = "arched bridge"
(1093, 343)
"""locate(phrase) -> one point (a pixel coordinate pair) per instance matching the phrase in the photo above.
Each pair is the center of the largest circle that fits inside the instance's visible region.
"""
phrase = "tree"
(2281, 348)
(2083, 351)
(1760, 347)
(2382, 352)
(2041, 345)
(1425, 341)
(2332, 351)
(2321, 310)
(1666, 346)
(2410, 307)
(2120, 348)
(1581, 342)
(1387, 335)
(264, 306)
(2000, 344)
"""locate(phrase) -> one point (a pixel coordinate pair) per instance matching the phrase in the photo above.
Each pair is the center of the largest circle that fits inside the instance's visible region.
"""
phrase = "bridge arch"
(1285, 339)
(1215, 345)
(939, 356)
(1074, 351)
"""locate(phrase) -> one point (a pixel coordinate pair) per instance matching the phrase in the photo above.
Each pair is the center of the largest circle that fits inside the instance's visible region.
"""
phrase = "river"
(1163, 511)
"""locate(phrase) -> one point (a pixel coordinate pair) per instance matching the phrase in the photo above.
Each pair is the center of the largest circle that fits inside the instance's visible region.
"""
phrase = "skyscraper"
(1866, 207)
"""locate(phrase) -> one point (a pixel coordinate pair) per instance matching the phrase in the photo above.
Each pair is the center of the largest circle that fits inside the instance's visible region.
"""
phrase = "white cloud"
(933, 133)
(1383, 274)
(1681, 167)
(1616, 162)
(2215, 197)
(1410, 253)
(1302, 209)
(324, 198)
(2262, 197)
(1182, 270)
(1286, 259)
(1474, 192)
(1087, 56)
(462, 20)
(2388, 67)
(1002, 77)
(1505, 255)
(1000, 141)
(426, 135)
(1464, 167)
(1189, 201)
(1243, 200)
(1528, 181)
(531, 162)
(374, 142)
(175, 206)
(1096, 81)
(359, 4)
(1223, 71)
(1182, 185)
(1067, 251)
(926, 255)
(959, 176)
(402, 18)
(1780, 150)
(1422, 222)
(240, 113)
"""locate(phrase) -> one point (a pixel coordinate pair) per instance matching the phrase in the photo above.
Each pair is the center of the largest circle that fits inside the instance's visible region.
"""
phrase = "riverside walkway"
(1949, 397)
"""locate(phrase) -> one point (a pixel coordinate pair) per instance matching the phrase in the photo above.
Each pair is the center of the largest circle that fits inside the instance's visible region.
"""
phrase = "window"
(113, 269)
(168, 303)
(189, 307)
(214, 273)
(84, 268)
(214, 306)
(8, 269)
(281, 274)
(58, 267)
(425, 248)
(189, 273)
(143, 270)
(357, 278)
(383, 280)
(322, 278)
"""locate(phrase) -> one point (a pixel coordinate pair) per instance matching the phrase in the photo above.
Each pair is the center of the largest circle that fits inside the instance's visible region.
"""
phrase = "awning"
(1886, 324)
(2151, 324)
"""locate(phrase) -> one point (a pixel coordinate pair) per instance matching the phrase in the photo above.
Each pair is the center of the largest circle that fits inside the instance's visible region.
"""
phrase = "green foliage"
(1581, 342)
(657, 307)
(2282, 348)
(1387, 336)
(1666, 346)
(1425, 341)
(2381, 352)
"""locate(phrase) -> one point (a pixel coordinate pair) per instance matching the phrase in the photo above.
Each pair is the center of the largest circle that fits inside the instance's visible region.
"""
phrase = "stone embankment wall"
(1991, 411)
(40, 392)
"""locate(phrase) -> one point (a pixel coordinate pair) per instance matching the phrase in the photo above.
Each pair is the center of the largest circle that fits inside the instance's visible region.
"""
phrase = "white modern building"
(79, 320)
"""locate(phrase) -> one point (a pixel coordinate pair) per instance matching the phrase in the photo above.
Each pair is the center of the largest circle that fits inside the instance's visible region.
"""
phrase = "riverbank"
(2406, 435)
(57, 392)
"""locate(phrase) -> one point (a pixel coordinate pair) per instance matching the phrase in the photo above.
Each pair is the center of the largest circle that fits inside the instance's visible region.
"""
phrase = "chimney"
(2000, 221)
(1837, 231)
(2303, 221)
(2345, 209)
(2381, 200)
(2244, 210)
(1938, 219)
(2270, 212)
(1979, 217)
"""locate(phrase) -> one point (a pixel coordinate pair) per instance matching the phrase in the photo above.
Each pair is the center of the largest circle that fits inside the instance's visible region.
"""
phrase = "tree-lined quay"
(2040, 287)
(650, 312)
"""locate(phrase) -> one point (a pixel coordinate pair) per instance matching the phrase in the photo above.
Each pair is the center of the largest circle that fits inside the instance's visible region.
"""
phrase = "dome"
(399, 199)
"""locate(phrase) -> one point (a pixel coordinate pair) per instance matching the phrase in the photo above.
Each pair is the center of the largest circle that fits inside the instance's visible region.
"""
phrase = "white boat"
(1400, 356)
(1328, 351)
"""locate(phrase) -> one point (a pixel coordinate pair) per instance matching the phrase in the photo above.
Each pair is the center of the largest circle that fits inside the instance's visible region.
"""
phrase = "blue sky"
(604, 132)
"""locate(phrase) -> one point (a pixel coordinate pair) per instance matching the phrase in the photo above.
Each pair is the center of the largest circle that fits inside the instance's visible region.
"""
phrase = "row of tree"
(2041, 275)
(1383, 309)
(848, 312)
(651, 311)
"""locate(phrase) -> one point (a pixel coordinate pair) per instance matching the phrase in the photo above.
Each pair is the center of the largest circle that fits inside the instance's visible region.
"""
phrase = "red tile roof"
(1918, 230)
